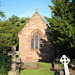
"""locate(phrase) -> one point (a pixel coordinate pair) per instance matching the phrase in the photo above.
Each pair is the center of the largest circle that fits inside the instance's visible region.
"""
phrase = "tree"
(6, 31)
(16, 21)
(9, 33)
(61, 26)
(72, 10)
(22, 21)
(2, 14)
(13, 19)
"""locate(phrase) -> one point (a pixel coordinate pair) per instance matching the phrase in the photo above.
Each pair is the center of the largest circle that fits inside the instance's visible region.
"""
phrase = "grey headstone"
(62, 72)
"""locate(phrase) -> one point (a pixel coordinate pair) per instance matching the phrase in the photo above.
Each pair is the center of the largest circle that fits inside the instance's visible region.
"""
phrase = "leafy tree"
(13, 19)
(9, 33)
(1, 21)
(72, 11)
(8, 37)
(2, 14)
(5, 44)
(22, 21)
(62, 26)
(5, 36)
(16, 21)
(5, 64)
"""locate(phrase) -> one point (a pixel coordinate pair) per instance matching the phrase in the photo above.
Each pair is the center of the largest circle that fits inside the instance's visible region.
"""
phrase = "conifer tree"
(62, 26)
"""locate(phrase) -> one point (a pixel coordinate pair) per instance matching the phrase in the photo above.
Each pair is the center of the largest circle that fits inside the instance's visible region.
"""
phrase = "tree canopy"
(9, 32)
(62, 25)
(2, 14)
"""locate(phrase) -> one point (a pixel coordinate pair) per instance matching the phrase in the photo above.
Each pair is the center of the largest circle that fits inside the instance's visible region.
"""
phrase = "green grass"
(42, 71)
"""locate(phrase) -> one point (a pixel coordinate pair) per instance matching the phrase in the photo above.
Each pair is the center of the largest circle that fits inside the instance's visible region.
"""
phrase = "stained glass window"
(40, 43)
(32, 44)
(37, 33)
(39, 36)
(36, 42)
(33, 36)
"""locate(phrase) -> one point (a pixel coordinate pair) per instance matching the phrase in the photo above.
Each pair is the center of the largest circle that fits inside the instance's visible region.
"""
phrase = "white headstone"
(65, 61)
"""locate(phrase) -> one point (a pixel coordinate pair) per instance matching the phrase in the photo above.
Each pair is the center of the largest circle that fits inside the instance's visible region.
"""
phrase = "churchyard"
(40, 44)
(58, 67)
(38, 68)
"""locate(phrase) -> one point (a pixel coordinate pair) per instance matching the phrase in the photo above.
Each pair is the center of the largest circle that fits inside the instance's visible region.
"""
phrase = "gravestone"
(65, 61)
(62, 72)
(13, 63)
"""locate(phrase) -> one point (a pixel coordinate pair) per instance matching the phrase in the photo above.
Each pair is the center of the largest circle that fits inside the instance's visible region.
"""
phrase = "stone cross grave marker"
(65, 61)
(13, 53)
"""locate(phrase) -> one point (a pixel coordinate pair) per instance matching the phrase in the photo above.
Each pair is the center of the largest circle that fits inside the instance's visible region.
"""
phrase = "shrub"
(4, 65)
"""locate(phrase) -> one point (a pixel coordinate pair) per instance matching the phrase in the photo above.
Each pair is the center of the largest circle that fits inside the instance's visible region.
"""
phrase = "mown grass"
(42, 71)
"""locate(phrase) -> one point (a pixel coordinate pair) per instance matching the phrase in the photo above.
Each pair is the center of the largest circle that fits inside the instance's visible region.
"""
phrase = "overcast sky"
(25, 8)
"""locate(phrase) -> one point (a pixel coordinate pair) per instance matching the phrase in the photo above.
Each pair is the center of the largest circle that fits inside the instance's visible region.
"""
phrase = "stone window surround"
(31, 37)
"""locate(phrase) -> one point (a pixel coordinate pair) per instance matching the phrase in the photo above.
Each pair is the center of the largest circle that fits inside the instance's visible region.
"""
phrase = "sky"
(25, 8)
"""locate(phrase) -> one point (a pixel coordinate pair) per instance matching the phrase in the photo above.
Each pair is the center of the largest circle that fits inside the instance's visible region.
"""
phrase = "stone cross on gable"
(36, 9)
(65, 61)
(13, 53)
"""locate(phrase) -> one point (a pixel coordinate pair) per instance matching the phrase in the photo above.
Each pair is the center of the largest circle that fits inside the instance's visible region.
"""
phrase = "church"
(33, 43)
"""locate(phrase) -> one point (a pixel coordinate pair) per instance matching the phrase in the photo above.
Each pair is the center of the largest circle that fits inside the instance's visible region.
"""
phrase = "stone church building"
(33, 42)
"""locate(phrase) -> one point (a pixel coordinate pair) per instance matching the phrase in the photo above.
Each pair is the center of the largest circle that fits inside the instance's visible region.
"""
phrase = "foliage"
(4, 65)
(13, 19)
(9, 37)
(5, 37)
(62, 26)
(2, 14)
(9, 32)
(20, 24)
(1, 21)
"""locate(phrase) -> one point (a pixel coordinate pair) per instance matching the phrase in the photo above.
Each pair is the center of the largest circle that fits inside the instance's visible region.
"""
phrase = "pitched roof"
(34, 17)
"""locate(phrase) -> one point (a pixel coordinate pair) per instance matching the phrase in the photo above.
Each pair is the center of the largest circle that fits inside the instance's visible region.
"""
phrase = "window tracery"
(36, 41)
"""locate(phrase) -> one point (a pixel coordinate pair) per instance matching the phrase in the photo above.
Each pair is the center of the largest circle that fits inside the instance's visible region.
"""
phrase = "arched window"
(36, 40)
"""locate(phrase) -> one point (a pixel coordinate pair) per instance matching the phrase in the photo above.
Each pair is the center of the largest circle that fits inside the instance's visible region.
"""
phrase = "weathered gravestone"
(61, 72)
(13, 63)
(65, 61)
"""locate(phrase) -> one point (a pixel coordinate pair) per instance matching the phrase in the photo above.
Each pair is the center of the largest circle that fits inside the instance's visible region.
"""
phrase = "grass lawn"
(42, 71)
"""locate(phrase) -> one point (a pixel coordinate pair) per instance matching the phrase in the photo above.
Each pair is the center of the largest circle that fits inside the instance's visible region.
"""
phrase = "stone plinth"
(12, 72)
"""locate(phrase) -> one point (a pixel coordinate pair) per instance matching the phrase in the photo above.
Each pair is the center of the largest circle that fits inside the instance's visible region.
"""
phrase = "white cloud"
(28, 14)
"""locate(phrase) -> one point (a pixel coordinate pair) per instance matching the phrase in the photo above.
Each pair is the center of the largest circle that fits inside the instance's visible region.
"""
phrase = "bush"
(4, 65)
